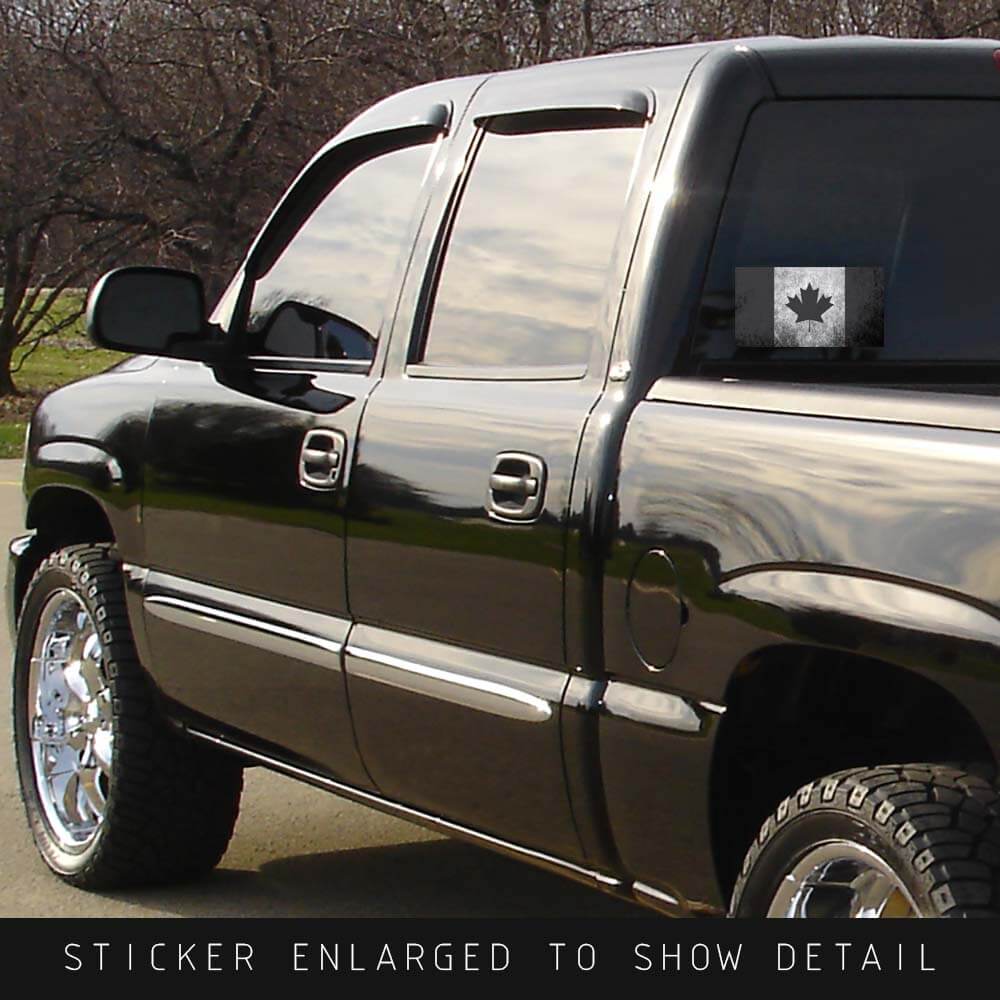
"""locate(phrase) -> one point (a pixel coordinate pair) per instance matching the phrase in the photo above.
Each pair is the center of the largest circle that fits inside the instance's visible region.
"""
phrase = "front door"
(459, 498)
(248, 462)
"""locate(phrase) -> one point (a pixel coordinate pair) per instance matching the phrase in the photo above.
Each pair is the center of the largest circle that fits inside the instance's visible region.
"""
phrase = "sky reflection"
(528, 256)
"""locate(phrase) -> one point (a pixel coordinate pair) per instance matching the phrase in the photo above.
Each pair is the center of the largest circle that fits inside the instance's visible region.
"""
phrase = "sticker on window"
(809, 307)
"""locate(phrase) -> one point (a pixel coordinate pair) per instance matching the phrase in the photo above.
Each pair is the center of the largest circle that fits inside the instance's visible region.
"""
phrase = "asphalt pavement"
(297, 851)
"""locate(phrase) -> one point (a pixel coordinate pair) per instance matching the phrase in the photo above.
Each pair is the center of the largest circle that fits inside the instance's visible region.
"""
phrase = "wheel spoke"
(81, 628)
(77, 740)
(92, 648)
(870, 891)
(65, 791)
(90, 666)
(92, 796)
(102, 748)
(63, 761)
(83, 674)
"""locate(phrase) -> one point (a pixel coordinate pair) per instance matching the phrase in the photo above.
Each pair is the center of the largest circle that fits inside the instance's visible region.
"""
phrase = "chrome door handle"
(516, 487)
(320, 460)
(526, 486)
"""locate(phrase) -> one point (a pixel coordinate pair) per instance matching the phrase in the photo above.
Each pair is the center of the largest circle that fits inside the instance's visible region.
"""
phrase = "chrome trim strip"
(651, 707)
(235, 627)
(711, 706)
(483, 373)
(417, 816)
(498, 699)
(584, 693)
(239, 610)
(135, 575)
(641, 889)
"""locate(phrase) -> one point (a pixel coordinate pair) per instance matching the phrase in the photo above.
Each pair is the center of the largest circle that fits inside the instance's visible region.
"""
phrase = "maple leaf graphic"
(808, 305)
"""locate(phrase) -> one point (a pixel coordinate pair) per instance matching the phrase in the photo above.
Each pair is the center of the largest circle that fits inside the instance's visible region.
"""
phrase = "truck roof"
(853, 66)
(849, 66)
(865, 66)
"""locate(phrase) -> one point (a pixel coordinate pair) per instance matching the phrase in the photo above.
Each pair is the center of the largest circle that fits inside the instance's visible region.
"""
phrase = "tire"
(114, 796)
(912, 839)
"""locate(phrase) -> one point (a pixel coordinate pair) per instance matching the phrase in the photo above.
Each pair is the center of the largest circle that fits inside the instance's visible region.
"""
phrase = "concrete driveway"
(297, 851)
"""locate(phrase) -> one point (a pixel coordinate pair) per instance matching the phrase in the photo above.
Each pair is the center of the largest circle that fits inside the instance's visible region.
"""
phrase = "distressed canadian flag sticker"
(809, 307)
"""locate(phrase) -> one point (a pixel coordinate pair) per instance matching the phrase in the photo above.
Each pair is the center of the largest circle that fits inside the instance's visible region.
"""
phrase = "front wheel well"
(798, 713)
(61, 516)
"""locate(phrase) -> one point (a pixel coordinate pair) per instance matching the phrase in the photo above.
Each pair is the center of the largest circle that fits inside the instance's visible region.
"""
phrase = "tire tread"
(943, 818)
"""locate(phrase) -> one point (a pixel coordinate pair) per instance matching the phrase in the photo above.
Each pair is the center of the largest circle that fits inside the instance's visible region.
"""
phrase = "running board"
(637, 892)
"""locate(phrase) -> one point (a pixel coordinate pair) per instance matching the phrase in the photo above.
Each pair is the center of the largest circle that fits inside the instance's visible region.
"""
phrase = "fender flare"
(75, 464)
(940, 635)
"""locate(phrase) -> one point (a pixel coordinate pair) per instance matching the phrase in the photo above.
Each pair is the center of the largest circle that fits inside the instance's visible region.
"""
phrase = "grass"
(11, 440)
(65, 357)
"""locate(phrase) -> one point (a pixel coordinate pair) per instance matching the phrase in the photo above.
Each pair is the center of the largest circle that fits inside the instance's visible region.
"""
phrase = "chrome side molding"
(250, 631)
(658, 898)
(651, 707)
(227, 614)
(479, 681)
(713, 707)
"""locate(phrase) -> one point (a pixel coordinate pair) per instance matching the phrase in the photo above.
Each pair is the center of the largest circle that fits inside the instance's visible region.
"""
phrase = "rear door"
(464, 468)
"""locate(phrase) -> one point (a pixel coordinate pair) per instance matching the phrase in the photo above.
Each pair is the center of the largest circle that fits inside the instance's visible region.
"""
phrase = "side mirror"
(150, 310)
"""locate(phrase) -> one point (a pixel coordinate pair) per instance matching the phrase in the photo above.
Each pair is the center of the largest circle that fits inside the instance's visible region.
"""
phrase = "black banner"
(63, 952)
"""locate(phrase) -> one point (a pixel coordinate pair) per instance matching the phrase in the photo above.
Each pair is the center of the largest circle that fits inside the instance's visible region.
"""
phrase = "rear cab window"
(903, 195)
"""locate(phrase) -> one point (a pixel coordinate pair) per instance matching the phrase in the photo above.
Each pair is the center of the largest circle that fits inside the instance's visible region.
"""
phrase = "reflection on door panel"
(457, 508)
(417, 690)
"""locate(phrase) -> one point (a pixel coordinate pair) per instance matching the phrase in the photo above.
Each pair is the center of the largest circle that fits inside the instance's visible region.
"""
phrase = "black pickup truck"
(598, 461)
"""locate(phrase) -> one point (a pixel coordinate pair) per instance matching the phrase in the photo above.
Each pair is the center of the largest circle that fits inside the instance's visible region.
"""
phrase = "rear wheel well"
(795, 713)
(60, 516)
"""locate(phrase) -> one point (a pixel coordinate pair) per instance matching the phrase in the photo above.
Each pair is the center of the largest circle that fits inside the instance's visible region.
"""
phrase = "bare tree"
(165, 129)
(213, 105)
(54, 227)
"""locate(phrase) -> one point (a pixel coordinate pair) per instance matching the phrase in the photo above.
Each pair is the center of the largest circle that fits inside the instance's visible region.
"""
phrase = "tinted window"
(325, 294)
(528, 255)
(904, 195)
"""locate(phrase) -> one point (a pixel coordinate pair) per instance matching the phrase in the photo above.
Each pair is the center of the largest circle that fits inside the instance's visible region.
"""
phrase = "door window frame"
(633, 109)
(314, 184)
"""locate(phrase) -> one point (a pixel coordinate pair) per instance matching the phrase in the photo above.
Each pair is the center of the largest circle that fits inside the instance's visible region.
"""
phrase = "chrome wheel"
(842, 879)
(69, 714)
